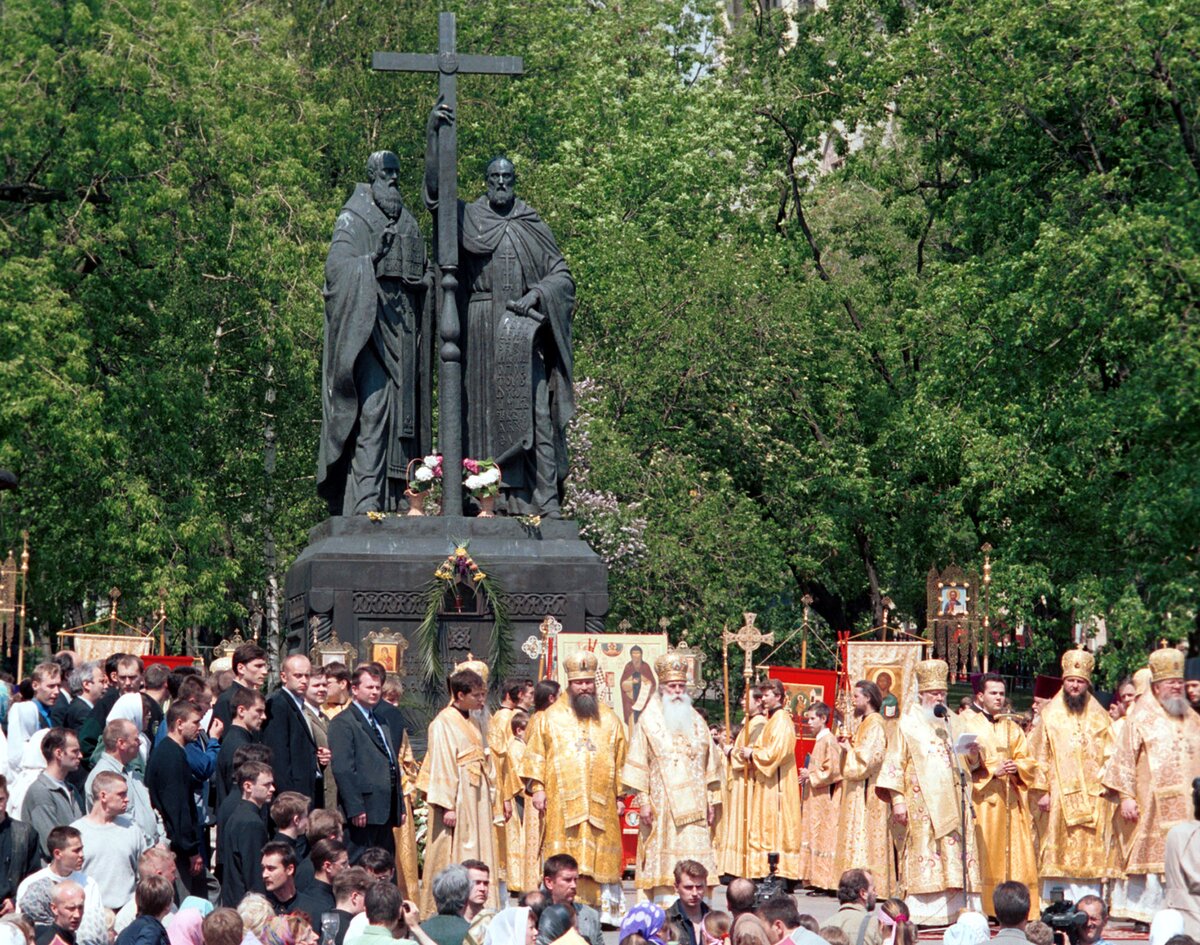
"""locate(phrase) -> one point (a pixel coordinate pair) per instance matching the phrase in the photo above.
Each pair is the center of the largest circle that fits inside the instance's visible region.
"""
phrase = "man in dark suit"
(18, 852)
(365, 767)
(288, 730)
(249, 672)
(169, 781)
(249, 711)
(241, 838)
(87, 684)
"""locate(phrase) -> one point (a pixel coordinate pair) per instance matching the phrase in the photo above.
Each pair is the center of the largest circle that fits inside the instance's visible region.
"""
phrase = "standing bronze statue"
(378, 360)
(516, 301)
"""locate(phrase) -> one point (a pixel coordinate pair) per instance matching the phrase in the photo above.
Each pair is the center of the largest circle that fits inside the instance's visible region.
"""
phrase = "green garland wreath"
(460, 568)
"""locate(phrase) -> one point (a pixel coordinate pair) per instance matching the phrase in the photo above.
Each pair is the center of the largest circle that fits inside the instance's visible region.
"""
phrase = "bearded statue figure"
(378, 356)
(674, 768)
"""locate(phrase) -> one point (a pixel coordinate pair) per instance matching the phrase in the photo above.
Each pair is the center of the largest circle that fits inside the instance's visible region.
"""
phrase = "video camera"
(1061, 915)
(770, 886)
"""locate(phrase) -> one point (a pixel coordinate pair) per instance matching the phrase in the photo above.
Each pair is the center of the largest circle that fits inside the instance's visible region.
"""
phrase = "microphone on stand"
(940, 710)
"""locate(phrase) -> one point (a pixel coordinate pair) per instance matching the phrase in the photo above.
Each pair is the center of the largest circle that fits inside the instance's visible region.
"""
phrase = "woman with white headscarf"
(31, 764)
(511, 926)
(130, 707)
(970, 929)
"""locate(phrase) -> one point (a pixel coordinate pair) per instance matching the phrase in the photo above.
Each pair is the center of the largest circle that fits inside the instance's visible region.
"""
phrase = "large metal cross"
(448, 64)
(749, 638)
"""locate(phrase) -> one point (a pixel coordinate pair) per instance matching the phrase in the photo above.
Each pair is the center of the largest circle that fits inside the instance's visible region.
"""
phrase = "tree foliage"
(860, 289)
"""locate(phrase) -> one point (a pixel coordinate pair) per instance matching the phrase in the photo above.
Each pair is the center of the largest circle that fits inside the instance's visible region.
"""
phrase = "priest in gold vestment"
(1072, 745)
(573, 759)
(733, 824)
(459, 785)
(514, 791)
(499, 732)
(675, 770)
(408, 871)
(775, 796)
(1156, 758)
(821, 802)
(1000, 790)
(865, 816)
(921, 775)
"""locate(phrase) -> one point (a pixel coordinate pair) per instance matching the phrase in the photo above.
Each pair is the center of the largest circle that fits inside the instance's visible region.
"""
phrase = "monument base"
(357, 577)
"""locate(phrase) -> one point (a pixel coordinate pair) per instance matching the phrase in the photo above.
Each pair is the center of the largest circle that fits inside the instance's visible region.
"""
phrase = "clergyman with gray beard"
(377, 367)
(675, 769)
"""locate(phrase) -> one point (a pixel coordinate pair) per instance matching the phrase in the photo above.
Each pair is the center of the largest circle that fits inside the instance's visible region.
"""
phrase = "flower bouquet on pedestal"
(483, 482)
(423, 476)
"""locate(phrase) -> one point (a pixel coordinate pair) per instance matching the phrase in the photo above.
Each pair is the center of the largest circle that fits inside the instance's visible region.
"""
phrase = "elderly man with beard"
(1157, 755)
(1071, 747)
(377, 368)
(923, 777)
(574, 754)
(674, 768)
(459, 783)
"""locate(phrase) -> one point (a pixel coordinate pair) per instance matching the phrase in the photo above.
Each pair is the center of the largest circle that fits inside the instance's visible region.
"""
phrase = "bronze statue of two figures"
(514, 297)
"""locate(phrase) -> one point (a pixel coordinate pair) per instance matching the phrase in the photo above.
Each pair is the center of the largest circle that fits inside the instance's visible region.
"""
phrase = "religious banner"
(625, 678)
(802, 688)
(891, 665)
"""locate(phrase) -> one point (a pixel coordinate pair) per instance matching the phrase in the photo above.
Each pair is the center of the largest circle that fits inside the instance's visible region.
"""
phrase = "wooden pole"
(725, 673)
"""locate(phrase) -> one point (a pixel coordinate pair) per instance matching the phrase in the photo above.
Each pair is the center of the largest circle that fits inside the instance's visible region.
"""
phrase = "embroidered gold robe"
(920, 771)
(733, 833)
(678, 774)
(1155, 761)
(456, 776)
(499, 733)
(775, 800)
(405, 836)
(821, 831)
(578, 762)
(1004, 830)
(865, 816)
(1071, 751)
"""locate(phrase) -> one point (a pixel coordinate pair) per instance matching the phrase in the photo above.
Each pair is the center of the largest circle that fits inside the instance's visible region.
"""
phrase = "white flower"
(423, 474)
(431, 460)
(491, 476)
(474, 482)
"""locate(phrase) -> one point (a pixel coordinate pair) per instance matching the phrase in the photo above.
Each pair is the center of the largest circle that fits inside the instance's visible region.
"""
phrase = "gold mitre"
(1078, 663)
(932, 675)
(1141, 681)
(478, 667)
(222, 664)
(1166, 663)
(581, 665)
(671, 668)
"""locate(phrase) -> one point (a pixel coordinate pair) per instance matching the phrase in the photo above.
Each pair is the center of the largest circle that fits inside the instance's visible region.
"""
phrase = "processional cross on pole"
(749, 638)
(448, 64)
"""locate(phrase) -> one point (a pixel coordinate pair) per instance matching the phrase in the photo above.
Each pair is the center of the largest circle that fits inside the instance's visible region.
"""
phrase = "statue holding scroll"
(516, 300)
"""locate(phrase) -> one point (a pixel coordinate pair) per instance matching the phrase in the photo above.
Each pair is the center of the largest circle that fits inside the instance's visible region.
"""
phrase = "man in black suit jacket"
(249, 711)
(18, 852)
(87, 684)
(241, 838)
(369, 782)
(288, 733)
(249, 672)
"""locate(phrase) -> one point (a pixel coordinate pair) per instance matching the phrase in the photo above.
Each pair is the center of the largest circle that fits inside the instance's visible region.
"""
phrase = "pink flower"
(471, 466)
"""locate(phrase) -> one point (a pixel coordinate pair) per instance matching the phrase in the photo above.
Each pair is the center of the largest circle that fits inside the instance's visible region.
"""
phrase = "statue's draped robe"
(514, 790)
(374, 325)
(504, 257)
(499, 732)
(679, 773)
(637, 686)
(407, 861)
(866, 817)
(1071, 751)
(1155, 761)
(920, 771)
(775, 799)
(578, 763)
(457, 776)
(733, 833)
(1002, 812)
(821, 826)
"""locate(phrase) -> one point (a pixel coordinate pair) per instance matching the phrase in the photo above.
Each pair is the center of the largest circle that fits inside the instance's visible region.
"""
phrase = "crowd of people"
(145, 806)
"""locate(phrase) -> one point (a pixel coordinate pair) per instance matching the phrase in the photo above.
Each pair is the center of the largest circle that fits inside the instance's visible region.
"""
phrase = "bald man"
(288, 731)
(66, 907)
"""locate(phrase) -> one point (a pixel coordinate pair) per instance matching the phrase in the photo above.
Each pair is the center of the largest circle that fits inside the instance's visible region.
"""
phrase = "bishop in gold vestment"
(733, 825)
(1156, 759)
(821, 831)
(1072, 744)
(921, 776)
(865, 817)
(775, 797)
(573, 760)
(1000, 791)
(459, 785)
(674, 768)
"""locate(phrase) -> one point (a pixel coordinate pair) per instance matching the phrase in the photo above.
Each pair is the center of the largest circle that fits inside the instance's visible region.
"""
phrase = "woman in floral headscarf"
(645, 919)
